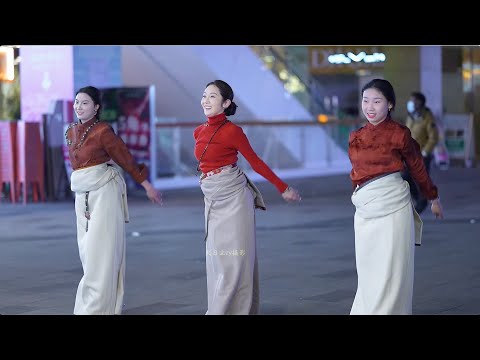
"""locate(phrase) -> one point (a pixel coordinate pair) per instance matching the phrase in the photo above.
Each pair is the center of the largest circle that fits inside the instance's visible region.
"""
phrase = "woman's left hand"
(437, 209)
(291, 195)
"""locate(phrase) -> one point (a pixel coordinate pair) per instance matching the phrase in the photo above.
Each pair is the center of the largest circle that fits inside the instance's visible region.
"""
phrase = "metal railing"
(283, 145)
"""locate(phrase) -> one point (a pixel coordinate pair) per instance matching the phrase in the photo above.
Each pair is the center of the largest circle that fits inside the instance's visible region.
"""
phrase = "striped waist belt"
(216, 171)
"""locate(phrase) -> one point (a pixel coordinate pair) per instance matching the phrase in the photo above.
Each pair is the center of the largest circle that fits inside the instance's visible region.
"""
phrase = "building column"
(431, 78)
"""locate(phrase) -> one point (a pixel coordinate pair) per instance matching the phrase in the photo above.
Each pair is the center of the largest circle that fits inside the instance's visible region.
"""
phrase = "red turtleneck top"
(224, 147)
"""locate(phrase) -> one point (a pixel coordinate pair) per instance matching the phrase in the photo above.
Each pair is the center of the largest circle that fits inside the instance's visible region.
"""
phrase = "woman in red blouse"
(230, 202)
(387, 227)
(100, 205)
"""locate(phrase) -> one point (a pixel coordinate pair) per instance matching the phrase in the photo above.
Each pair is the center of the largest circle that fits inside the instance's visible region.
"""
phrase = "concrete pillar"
(431, 78)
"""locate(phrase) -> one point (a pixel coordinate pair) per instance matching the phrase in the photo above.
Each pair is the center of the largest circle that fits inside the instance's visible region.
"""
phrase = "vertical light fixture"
(7, 63)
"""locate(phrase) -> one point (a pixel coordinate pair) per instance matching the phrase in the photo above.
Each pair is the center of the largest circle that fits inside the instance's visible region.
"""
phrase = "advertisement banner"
(46, 75)
(130, 112)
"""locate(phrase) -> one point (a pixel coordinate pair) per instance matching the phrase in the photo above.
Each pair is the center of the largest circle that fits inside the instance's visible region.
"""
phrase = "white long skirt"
(385, 236)
(102, 247)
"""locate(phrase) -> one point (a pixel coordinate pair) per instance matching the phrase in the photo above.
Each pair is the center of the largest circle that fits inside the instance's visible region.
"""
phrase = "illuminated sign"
(362, 56)
(345, 59)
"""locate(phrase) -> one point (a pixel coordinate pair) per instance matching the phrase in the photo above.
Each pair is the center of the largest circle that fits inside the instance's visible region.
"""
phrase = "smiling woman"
(100, 204)
(230, 202)
(386, 224)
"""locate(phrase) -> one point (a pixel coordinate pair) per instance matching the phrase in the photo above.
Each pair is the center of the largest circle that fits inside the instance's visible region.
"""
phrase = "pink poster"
(46, 74)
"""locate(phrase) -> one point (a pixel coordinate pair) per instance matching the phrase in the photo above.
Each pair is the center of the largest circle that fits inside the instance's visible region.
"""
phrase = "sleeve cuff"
(142, 173)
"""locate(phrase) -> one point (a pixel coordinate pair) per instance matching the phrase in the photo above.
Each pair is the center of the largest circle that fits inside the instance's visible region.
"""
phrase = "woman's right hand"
(291, 195)
(155, 196)
(437, 209)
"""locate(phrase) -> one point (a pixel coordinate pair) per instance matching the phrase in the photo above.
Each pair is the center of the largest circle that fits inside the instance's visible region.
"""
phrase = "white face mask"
(410, 106)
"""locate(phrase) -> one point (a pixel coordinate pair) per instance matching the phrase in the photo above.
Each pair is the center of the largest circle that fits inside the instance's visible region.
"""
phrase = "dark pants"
(419, 201)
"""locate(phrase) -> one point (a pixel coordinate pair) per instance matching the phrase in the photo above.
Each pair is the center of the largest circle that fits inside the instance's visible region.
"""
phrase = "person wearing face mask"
(230, 202)
(385, 222)
(100, 205)
(421, 122)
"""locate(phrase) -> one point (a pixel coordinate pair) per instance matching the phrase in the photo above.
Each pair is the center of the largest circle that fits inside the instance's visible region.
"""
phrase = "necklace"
(209, 141)
(82, 139)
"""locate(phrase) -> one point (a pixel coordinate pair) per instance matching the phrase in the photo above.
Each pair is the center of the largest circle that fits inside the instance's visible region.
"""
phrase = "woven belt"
(216, 171)
(375, 178)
